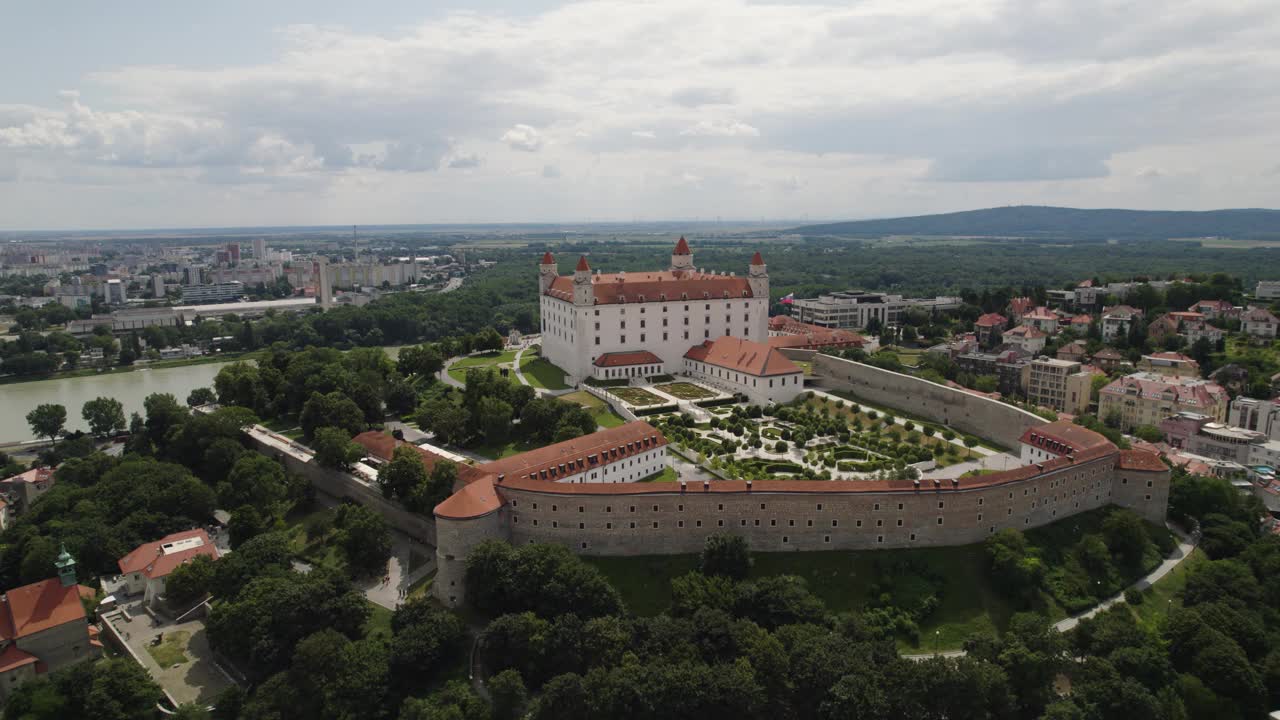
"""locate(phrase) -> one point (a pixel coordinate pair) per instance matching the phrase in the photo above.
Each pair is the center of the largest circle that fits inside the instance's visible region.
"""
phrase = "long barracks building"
(1072, 470)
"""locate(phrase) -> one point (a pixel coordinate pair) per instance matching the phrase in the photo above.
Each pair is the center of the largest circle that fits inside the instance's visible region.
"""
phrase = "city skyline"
(319, 113)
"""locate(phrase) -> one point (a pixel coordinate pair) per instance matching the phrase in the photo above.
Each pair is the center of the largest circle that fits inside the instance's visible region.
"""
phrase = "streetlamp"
(936, 635)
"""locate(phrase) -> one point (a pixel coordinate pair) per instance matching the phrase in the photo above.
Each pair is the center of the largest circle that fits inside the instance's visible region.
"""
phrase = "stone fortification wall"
(298, 459)
(456, 538)
(673, 522)
(988, 419)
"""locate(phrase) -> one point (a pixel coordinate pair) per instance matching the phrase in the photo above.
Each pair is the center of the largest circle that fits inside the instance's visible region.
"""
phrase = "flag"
(788, 298)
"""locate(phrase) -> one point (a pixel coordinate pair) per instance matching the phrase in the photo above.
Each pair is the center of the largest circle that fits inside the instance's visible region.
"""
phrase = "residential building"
(1043, 319)
(1060, 299)
(212, 293)
(43, 628)
(1074, 351)
(1260, 415)
(116, 292)
(147, 568)
(1108, 359)
(26, 487)
(1010, 368)
(1171, 364)
(1088, 296)
(1259, 322)
(1117, 320)
(1147, 399)
(666, 312)
(624, 454)
(1194, 331)
(989, 326)
(1162, 328)
(1267, 290)
(1020, 306)
(1215, 309)
(1062, 385)
(1200, 435)
(1030, 339)
(1058, 439)
(858, 308)
(260, 249)
(757, 370)
(787, 332)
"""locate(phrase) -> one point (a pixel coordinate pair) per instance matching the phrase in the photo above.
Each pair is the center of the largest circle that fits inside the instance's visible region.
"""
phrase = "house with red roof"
(25, 487)
(757, 370)
(146, 569)
(1044, 320)
(1020, 306)
(1214, 309)
(1027, 337)
(989, 326)
(787, 332)
(1117, 320)
(1260, 323)
(43, 627)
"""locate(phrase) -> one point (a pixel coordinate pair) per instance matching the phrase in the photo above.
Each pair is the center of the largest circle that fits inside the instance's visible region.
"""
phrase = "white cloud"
(879, 107)
(523, 137)
(550, 172)
(724, 128)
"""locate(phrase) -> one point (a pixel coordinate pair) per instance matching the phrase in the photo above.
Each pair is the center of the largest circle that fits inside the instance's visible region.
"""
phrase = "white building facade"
(587, 315)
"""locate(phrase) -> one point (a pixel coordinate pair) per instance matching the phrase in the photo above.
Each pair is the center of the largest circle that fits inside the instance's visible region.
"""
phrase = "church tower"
(682, 257)
(547, 273)
(758, 277)
(66, 568)
(583, 293)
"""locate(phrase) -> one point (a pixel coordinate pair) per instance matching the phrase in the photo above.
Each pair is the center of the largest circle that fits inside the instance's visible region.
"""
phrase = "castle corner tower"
(681, 257)
(758, 277)
(547, 273)
(583, 293)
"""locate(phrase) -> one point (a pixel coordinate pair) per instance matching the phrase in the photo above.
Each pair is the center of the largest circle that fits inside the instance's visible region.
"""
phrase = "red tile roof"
(151, 560)
(682, 247)
(562, 459)
(743, 356)
(1063, 438)
(31, 476)
(614, 288)
(991, 320)
(1028, 331)
(39, 606)
(1140, 460)
(475, 500)
(1041, 313)
(757, 259)
(1121, 312)
(1020, 305)
(805, 335)
(1082, 320)
(1259, 315)
(382, 446)
(13, 658)
(620, 359)
(1108, 354)
(582, 264)
(547, 259)
(1184, 391)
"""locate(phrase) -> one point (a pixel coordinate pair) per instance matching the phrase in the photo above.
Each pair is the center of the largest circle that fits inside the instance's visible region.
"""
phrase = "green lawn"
(668, 474)
(685, 391)
(843, 580)
(171, 651)
(1166, 594)
(540, 372)
(497, 452)
(379, 622)
(636, 396)
(604, 415)
(458, 370)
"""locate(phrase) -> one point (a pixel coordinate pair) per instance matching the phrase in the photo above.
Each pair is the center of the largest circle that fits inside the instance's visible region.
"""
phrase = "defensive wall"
(343, 485)
(799, 515)
(969, 413)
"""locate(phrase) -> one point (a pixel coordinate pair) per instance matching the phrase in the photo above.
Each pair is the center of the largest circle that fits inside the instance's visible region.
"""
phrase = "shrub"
(1133, 596)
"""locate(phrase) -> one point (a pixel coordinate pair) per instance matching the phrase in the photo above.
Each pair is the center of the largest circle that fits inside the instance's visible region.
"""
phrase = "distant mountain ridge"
(1043, 221)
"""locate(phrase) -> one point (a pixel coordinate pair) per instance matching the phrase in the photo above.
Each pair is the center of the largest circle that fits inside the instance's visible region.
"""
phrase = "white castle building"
(597, 325)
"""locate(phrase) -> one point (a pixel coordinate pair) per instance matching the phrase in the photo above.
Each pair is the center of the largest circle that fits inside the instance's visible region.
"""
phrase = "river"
(129, 388)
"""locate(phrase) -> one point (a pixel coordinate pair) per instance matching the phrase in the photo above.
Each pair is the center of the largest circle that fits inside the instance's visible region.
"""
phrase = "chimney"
(748, 484)
(706, 486)
(683, 485)
(916, 482)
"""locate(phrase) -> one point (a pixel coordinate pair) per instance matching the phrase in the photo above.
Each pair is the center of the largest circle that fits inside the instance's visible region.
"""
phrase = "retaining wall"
(342, 485)
(972, 414)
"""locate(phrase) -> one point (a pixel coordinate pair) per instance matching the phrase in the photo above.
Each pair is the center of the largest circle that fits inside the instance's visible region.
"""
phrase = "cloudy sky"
(175, 114)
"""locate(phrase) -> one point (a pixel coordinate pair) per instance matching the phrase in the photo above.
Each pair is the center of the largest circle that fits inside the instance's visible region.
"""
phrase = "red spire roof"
(582, 264)
(756, 259)
(547, 259)
(682, 247)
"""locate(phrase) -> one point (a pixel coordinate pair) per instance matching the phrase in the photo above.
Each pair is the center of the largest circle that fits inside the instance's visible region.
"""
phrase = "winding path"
(1185, 546)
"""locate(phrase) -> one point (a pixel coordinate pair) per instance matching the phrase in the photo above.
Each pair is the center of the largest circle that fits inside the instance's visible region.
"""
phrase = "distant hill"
(1039, 221)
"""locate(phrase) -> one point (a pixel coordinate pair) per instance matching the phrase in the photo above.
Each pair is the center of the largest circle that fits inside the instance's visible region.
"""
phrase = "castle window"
(582, 526)
(679, 523)
(941, 504)
(655, 524)
(835, 523)
(785, 539)
(719, 523)
(633, 526)
(810, 523)
(899, 522)
(879, 538)
(826, 538)
(858, 523)
(939, 520)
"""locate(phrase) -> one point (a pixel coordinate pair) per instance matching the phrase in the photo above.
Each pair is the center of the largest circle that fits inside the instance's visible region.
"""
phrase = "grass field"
(497, 452)
(668, 474)
(1159, 599)
(843, 580)
(379, 622)
(605, 417)
(636, 396)
(685, 391)
(458, 370)
(172, 650)
(540, 372)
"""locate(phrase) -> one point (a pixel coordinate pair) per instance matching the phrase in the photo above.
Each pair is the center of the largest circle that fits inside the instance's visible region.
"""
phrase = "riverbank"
(116, 370)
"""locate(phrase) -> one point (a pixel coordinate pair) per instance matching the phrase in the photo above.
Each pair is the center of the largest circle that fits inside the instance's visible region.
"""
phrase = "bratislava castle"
(621, 324)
